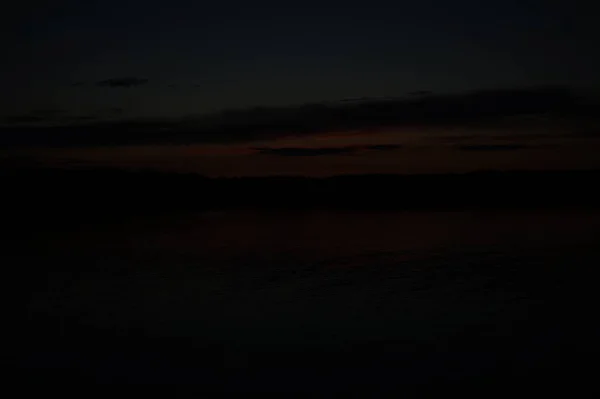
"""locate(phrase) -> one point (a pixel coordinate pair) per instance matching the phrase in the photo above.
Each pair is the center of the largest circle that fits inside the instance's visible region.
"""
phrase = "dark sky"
(85, 62)
(203, 56)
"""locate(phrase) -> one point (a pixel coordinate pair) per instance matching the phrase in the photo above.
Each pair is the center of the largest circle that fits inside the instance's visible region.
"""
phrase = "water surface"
(465, 290)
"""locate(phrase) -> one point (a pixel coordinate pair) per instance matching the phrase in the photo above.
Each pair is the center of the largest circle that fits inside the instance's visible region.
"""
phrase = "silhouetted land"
(47, 199)
(38, 200)
(106, 191)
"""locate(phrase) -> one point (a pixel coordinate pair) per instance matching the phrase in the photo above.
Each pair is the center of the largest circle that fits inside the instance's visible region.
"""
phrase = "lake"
(294, 300)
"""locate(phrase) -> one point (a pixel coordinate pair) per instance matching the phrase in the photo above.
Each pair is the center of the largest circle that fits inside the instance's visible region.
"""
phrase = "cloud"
(47, 115)
(311, 152)
(26, 119)
(306, 152)
(116, 110)
(47, 111)
(511, 137)
(80, 118)
(587, 134)
(457, 138)
(122, 82)
(35, 116)
(527, 136)
(472, 111)
(113, 111)
(383, 147)
(493, 147)
(420, 93)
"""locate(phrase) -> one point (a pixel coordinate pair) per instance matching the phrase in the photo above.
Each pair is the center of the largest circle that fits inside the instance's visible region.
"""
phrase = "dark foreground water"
(304, 301)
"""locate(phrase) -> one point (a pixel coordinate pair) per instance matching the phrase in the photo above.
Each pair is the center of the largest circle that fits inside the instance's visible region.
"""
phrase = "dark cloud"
(114, 110)
(512, 137)
(459, 138)
(39, 115)
(587, 134)
(420, 93)
(122, 82)
(306, 152)
(47, 116)
(493, 147)
(526, 136)
(80, 118)
(26, 119)
(383, 147)
(47, 111)
(311, 152)
(470, 110)
(355, 99)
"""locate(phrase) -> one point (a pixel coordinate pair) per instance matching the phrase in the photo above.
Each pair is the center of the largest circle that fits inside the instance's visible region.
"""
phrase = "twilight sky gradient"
(163, 66)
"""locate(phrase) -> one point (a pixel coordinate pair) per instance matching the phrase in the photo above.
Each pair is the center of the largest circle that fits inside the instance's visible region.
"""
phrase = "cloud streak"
(43, 117)
(383, 147)
(25, 119)
(473, 111)
(313, 152)
(493, 147)
(124, 82)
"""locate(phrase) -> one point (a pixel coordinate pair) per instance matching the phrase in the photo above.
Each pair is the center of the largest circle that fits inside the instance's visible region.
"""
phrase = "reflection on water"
(324, 234)
(446, 293)
(343, 270)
